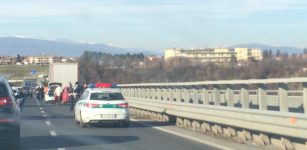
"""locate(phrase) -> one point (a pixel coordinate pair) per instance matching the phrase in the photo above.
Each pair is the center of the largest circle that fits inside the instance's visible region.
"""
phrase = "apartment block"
(217, 55)
(42, 60)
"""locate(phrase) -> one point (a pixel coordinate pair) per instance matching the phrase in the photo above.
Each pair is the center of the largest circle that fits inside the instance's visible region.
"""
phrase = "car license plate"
(108, 116)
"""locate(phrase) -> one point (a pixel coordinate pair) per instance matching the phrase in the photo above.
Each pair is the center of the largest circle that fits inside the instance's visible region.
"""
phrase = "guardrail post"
(283, 96)
(168, 93)
(129, 92)
(205, 95)
(161, 93)
(305, 97)
(184, 95)
(217, 95)
(134, 92)
(244, 96)
(147, 92)
(177, 94)
(195, 99)
(262, 101)
(171, 94)
(139, 92)
(229, 96)
(164, 93)
(142, 92)
(156, 93)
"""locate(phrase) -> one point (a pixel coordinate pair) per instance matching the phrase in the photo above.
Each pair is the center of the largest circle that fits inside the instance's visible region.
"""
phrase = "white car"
(102, 105)
(50, 96)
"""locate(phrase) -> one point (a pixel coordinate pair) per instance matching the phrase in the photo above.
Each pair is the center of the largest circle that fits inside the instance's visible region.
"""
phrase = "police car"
(102, 103)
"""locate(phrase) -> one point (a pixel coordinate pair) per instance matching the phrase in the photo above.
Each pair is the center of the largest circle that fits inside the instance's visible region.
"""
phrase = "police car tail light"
(123, 105)
(5, 101)
(91, 105)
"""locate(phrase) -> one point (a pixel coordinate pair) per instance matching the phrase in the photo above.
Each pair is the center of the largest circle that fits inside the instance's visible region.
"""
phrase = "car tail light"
(5, 101)
(123, 105)
(91, 105)
(6, 120)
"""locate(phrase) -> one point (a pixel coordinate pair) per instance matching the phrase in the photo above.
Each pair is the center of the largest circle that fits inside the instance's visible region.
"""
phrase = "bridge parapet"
(248, 108)
(284, 94)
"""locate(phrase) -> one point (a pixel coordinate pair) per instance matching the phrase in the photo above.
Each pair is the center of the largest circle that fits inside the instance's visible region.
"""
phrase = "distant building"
(7, 60)
(216, 55)
(153, 58)
(42, 60)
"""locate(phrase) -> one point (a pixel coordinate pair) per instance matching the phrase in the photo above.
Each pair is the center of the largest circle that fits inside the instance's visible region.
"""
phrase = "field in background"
(20, 72)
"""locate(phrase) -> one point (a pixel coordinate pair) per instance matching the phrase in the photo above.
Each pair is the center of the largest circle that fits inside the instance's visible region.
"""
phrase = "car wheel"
(126, 124)
(76, 121)
(83, 125)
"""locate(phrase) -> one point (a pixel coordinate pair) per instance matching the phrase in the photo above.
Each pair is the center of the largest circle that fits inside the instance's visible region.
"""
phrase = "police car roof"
(104, 89)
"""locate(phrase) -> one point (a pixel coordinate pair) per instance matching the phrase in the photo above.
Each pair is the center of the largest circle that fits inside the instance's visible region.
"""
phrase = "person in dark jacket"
(78, 90)
(71, 96)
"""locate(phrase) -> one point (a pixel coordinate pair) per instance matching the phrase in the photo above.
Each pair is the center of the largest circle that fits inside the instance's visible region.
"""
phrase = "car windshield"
(106, 96)
(30, 84)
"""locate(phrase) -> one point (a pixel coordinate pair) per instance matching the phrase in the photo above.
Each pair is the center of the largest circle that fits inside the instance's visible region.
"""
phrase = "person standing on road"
(58, 92)
(71, 96)
(78, 90)
(46, 89)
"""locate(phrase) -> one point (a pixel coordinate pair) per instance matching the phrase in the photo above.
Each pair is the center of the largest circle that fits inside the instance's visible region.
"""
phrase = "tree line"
(137, 68)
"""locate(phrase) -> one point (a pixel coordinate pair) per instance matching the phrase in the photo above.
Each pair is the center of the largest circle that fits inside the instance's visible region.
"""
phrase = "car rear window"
(3, 91)
(30, 84)
(106, 96)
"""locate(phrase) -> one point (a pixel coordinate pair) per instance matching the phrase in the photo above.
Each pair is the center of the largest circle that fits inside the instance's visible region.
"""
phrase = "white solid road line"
(61, 148)
(37, 101)
(48, 123)
(185, 136)
(53, 133)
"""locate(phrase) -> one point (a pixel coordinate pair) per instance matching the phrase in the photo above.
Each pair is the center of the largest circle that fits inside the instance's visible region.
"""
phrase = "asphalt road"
(52, 127)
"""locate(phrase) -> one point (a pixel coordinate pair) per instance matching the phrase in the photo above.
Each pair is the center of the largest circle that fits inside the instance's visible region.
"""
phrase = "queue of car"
(99, 103)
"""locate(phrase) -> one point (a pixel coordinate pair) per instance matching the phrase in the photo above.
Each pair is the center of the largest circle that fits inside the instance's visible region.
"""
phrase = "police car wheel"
(76, 121)
(83, 125)
(126, 124)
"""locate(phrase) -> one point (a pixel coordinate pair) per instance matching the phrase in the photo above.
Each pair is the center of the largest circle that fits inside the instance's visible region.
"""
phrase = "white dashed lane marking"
(48, 123)
(61, 148)
(53, 133)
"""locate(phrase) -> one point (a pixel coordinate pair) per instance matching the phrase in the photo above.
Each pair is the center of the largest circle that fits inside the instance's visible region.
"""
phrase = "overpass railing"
(269, 105)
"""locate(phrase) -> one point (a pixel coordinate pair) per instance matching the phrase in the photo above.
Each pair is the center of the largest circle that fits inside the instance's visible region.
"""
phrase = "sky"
(158, 24)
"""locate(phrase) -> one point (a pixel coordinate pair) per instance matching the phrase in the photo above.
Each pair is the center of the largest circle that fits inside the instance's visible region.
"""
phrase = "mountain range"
(12, 46)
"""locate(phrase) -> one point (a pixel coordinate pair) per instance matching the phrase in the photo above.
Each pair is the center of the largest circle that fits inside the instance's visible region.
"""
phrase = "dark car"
(9, 118)
(28, 86)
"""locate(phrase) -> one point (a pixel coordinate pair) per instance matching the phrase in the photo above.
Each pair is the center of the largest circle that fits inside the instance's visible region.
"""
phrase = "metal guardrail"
(280, 111)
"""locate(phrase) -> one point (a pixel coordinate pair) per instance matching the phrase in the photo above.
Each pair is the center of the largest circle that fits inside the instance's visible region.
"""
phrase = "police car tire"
(83, 125)
(126, 124)
(76, 121)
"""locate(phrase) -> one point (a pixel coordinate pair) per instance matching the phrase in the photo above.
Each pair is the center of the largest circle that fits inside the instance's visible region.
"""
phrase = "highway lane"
(52, 127)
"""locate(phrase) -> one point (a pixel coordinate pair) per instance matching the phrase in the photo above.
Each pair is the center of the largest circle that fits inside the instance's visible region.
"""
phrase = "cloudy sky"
(158, 24)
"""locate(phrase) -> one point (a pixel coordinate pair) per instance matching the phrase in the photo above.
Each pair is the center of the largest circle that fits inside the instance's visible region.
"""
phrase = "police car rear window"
(106, 96)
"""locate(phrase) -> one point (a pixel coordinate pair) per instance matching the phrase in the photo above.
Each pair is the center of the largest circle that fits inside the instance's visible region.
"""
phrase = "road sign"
(34, 71)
